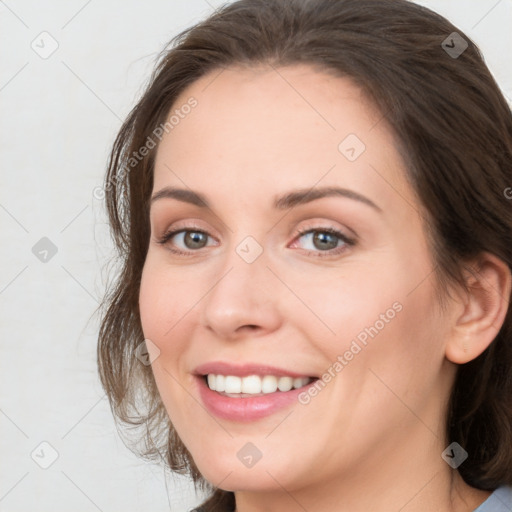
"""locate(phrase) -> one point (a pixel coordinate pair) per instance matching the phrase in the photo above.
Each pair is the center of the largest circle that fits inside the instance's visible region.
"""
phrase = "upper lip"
(244, 370)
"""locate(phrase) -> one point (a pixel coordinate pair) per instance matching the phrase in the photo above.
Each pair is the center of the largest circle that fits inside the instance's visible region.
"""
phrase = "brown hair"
(453, 128)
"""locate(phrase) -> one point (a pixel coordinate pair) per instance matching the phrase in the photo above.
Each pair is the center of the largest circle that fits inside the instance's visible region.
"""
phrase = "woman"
(310, 203)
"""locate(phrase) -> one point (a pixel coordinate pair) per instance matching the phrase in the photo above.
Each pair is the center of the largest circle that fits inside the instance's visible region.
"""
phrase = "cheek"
(393, 319)
(382, 312)
(340, 305)
(166, 309)
(169, 302)
(165, 298)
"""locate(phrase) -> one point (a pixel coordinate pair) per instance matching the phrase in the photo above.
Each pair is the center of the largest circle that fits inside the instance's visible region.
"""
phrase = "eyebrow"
(285, 202)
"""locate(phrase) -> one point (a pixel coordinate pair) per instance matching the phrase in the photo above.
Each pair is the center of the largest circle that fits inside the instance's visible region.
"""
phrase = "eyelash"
(349, 242)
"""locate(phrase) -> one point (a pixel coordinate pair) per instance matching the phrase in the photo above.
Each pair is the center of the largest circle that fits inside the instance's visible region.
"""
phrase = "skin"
(372, 438)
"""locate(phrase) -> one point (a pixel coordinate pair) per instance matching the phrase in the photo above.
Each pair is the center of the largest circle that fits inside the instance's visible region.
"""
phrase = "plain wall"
(59, 116)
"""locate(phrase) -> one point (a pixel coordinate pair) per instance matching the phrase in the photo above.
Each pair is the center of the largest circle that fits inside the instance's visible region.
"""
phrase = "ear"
(480, 314)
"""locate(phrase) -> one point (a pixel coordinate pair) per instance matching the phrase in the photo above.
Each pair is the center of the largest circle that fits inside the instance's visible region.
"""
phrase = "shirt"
(499, 501)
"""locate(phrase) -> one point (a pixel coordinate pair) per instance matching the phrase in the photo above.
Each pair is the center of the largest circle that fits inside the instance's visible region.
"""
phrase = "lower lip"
(246, 408)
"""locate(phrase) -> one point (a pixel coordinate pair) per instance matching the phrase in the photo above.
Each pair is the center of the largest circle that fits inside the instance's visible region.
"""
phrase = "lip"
(244, 370)
(246, 409)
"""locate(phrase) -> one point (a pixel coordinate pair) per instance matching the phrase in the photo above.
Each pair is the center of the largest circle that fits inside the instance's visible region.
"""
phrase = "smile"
(243, 406)
(254, 385)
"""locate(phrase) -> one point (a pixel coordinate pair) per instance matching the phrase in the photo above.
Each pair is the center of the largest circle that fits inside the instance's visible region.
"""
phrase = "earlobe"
(480, 316)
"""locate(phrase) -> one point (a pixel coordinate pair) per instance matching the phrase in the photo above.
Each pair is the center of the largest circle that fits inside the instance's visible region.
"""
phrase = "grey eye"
(194, 239)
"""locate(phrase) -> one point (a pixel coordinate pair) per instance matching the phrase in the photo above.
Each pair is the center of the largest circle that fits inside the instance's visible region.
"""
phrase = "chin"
(241, 479)
(223, 468)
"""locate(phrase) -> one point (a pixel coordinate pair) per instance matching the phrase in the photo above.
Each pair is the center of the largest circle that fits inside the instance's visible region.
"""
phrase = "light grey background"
(59, 116)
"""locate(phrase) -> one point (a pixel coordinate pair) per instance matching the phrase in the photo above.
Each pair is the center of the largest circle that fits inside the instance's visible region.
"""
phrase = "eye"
(187, 240)
(321, 241)
(324, 241)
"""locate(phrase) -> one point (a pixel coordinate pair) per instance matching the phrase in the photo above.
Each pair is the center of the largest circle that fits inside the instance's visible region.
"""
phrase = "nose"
(242, 300)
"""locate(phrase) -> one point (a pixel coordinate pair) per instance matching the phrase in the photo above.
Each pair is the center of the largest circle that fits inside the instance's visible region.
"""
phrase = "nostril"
(251, 327)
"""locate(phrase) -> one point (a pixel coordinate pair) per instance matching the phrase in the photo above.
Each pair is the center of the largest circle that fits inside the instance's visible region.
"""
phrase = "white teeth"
(212, 381)
(285, 383)
(298, 383)
(232, 384)
(220, 384)
(254, 384)
(251, 384)
(269, 384)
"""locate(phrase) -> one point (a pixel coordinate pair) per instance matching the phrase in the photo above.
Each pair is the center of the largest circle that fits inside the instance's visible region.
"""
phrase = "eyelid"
(324, 226)
(187, 225)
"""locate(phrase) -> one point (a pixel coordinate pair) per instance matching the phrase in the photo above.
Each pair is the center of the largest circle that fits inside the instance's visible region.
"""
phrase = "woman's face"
(349, 302)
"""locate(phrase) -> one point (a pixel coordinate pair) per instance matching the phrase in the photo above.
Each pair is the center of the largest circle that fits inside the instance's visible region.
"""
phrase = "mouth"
(247, 393)
(234, 386)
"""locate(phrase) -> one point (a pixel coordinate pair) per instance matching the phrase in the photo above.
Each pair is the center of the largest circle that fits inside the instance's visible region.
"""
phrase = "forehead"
(265, 128)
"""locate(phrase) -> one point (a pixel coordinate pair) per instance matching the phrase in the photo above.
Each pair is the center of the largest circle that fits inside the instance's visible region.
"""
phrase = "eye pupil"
(195, 239)
(326, 240)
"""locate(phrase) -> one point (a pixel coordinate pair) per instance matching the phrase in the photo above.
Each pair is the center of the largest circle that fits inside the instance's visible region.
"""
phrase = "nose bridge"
(241, 294)
(245, 266)
(243, 273)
